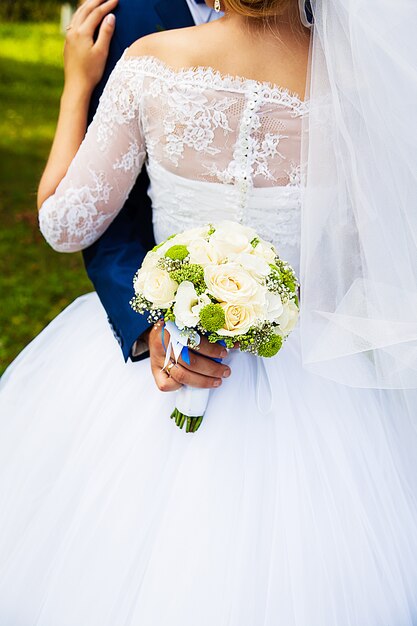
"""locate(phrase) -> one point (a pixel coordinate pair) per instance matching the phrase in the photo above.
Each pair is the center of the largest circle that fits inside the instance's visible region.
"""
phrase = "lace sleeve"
(104, 169)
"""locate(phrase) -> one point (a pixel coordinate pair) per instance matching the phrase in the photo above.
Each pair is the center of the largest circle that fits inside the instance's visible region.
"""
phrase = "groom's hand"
(202, 372)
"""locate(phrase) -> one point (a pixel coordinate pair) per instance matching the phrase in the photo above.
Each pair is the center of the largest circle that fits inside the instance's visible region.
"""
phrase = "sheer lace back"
(216, 146)
(206, 126)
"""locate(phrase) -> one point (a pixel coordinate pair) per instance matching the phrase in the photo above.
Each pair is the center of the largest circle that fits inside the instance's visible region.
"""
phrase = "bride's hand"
(202, 372)
(85, 60)
(84, 57)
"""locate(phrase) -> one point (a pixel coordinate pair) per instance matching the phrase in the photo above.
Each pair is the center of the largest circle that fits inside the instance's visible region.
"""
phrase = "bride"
(295, 503)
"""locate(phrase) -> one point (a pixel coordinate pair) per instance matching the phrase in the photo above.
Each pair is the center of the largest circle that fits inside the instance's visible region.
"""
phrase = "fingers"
(96, 16)
(89, 15)
(87, 7)
(105, 33)
(157, 354)
(163, 381)
(201, 372)
(206, 366)
(212, 350)
(183, 376)
(83, 10)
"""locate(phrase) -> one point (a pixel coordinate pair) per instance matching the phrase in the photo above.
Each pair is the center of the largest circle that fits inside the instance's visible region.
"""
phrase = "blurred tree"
(36, 283)
(30, 10)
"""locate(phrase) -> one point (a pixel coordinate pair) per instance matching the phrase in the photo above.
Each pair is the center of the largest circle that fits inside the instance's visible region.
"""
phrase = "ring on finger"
(169, 368)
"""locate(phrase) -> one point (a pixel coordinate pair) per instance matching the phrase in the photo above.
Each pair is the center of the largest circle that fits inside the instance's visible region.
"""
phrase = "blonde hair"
(261, 9)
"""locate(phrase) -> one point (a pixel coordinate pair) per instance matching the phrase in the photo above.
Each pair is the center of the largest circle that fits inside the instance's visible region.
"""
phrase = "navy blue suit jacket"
(113, 260)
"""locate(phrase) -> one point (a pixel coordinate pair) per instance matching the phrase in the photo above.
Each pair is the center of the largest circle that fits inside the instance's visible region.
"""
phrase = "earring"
(217, 6)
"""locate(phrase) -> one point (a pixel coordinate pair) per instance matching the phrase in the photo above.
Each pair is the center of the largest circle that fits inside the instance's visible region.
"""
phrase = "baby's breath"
(170, 265)
(282, 280)
(140, 304)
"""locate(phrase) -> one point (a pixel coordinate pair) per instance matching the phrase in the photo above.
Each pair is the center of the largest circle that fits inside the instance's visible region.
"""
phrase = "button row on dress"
(243, 153)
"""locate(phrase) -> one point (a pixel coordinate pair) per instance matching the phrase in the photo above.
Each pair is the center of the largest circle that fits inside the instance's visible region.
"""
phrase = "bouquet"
(221, 281)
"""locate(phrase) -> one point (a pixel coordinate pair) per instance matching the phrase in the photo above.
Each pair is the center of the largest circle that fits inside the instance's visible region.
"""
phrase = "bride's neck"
(282, 27)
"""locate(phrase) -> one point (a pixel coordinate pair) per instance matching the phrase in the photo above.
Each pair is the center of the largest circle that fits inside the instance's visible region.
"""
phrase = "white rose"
(230, 239)
(274, 306)
(288, 319)
(229, 282)
(182, 239)
(150, 261)
(188, 305)
(239, 319)
(139, 280)
(203, 252)
(158, 287)
(265, 251)
(257, 267)
(235, 227)
(188, 236)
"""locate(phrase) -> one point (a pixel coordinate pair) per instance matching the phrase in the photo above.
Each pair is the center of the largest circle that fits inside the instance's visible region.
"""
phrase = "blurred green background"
(36, 283)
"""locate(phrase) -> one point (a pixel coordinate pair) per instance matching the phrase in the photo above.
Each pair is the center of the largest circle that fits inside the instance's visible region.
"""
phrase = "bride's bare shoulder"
(177, 48)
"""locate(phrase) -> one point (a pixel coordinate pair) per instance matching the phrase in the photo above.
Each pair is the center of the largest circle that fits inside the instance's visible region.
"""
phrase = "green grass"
(36, 283)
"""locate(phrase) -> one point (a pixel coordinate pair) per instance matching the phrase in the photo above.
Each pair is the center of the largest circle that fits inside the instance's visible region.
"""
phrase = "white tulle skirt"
(295, 504)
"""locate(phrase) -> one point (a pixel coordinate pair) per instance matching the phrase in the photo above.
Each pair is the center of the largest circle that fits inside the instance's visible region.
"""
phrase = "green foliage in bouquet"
(191, 272)
(282, 280)
(177, 253)
(271, 347)
(212, 318)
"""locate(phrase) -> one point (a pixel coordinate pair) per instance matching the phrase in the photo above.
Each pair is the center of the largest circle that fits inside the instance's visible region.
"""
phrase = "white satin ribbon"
(190, 401)
(178, 339)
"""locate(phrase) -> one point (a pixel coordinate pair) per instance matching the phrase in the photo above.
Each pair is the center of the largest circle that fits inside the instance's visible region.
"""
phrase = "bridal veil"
(359, 225)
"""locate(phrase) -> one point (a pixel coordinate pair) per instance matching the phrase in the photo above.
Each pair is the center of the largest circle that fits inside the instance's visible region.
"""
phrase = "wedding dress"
(295, 504)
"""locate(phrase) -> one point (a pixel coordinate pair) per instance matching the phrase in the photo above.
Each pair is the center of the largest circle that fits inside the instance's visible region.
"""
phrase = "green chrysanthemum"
(212, 317)
(192, 272)
(271, 347)
(177, 253)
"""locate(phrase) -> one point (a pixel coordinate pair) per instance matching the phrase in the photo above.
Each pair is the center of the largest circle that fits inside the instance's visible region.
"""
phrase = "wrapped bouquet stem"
(191, 402)
(223, 282)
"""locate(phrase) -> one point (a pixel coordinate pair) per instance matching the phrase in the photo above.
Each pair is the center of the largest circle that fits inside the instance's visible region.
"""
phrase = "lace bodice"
(215, 147)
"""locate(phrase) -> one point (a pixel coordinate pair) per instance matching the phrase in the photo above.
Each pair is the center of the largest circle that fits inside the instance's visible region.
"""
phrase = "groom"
(113, 260)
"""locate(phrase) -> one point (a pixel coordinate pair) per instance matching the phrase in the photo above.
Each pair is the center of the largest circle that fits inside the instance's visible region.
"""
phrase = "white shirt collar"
(201, 12)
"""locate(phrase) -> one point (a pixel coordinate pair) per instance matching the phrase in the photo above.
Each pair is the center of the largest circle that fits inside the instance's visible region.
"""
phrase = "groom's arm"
(113, 260)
